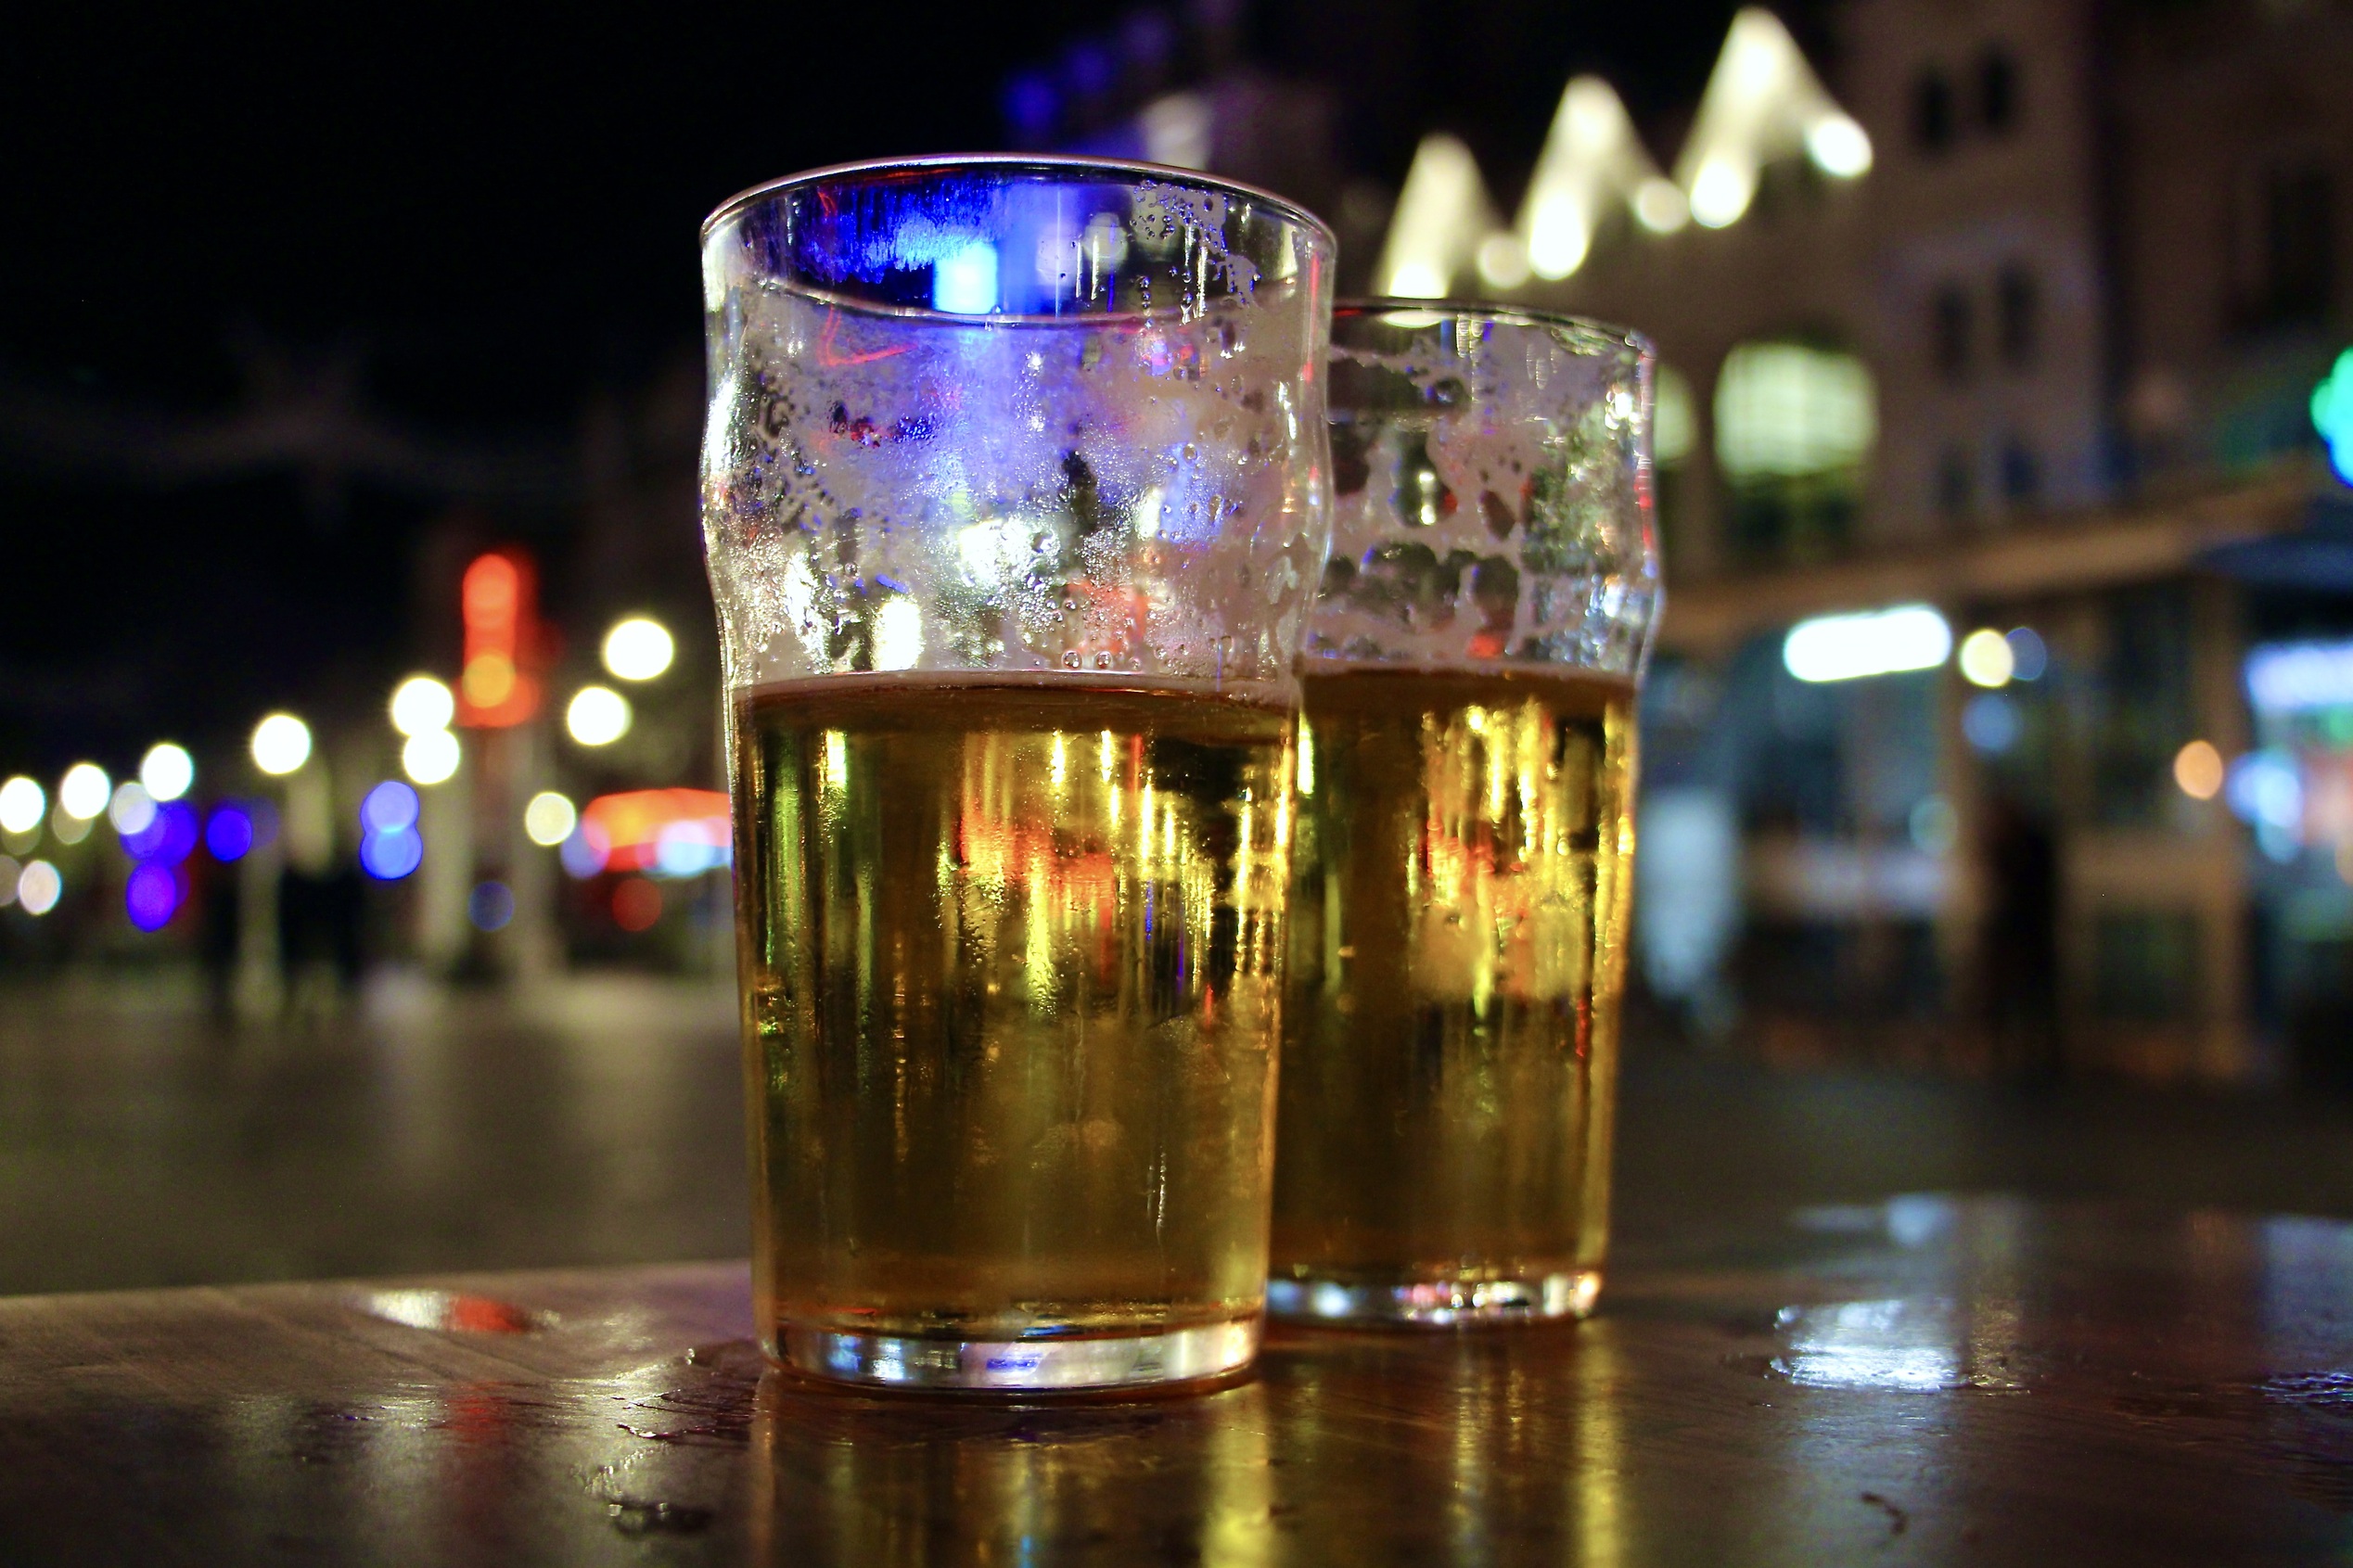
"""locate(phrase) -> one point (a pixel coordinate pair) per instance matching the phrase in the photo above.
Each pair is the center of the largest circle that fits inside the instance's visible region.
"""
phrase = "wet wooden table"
(1927, 1381)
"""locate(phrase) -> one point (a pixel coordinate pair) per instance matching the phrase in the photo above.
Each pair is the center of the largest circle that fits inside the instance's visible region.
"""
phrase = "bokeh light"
(390, 806)
(598, 716)
(421, 704)
(281, 744)
(638, 649)
(491, 906)
(2197, 768)
(169, 838)
(167, 771)
(22, 805)
(228, 833)
(39, 887)
(2028, 657)
(151, 897)
(637, 903)
(84, 790)
(1987, 659)
(584, 852)
(133, 807)
(430, 758)
(548, 819)
(387, 857)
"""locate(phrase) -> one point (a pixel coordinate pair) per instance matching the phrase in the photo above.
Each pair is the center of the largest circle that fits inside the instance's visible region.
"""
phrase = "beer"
(1012, 956)
(1458, 927)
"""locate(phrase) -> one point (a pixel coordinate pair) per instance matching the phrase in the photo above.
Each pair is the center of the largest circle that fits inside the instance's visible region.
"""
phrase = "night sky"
(478, 222)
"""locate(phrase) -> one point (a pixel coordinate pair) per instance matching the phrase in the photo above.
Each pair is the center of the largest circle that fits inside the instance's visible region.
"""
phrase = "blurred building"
(2019, 317)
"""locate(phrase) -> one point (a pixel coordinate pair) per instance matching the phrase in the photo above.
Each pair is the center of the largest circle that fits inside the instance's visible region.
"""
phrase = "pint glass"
(1014, 497)
(1464, 836)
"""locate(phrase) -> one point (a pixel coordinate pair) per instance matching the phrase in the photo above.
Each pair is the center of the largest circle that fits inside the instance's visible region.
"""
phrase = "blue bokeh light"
(170, 836)
(582, 854)
(491, 906)
(152, 895)
(390, 806)
(387, 857)
(228, 833)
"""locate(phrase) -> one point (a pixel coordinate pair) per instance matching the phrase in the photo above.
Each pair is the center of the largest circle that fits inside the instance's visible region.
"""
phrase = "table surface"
(1929, 1380)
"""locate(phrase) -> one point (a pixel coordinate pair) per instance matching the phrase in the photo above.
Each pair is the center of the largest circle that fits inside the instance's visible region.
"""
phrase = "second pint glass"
(1013, 501)
(1465, 782)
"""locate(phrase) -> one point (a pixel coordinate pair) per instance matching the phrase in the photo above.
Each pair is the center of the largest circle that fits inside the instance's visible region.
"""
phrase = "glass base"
(1023, 1365)
(1467, 1301)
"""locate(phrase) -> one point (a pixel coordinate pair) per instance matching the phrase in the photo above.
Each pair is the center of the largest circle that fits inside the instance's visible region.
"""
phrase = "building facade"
(2018, 314)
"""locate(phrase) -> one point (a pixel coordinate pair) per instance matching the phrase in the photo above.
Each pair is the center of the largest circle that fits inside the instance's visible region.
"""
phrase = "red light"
(630, 825)
(637, 903)
(498, 685)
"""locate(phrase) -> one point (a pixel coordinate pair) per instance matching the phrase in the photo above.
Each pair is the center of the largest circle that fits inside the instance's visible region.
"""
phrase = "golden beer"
(1458, 928)
(1011, 955)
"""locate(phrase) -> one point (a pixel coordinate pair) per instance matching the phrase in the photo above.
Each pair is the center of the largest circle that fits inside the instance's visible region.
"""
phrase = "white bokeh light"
(281, 744)
(167, 771)
(638, 649)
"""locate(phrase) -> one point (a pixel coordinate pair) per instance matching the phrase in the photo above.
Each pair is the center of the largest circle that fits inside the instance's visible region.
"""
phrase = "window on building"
(2020, 303)
(2021, 474)
(1932, 118)
(1795, 427)
(1956, 484)
(1951, 323)
(1997, 90)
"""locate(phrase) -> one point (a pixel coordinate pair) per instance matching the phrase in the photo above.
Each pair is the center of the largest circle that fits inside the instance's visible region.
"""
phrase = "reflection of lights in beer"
(430, 758)
(548, 819)
(421, 704)
(281, 744)
(1986, 659)
(597, 716)
(1058, 765)
(38, 888)
(897, 635)
(133, 807)
(1107, 755)
(639, 648)
(84, 790)
(1849, 648)
(151, 895)
(167, 771)
(2197, 768)
(1307, 759)
(22, 804)
(836, 759)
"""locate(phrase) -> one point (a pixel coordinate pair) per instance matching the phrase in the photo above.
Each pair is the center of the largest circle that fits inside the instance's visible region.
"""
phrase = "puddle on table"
(453, 1312)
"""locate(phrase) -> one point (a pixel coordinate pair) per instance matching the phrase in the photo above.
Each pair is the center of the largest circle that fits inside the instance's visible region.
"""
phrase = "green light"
(2333, 415)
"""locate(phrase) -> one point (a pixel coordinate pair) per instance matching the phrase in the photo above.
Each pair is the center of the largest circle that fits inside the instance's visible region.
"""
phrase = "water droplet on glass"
(1070, 659)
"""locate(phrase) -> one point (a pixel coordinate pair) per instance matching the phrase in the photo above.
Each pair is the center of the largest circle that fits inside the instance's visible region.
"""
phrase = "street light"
(598, 716)
(167, 771)
(84, 790)
(421, 704)
(281, 744)
(21, 805)
(638, 649)
(430, 758)
(548, 819)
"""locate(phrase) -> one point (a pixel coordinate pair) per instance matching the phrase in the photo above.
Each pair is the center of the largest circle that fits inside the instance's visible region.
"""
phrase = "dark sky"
(481, 218)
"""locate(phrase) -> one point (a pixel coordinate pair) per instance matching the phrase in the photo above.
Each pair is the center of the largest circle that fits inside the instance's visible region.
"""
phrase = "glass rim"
(1509, 316)
(1134, 171)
